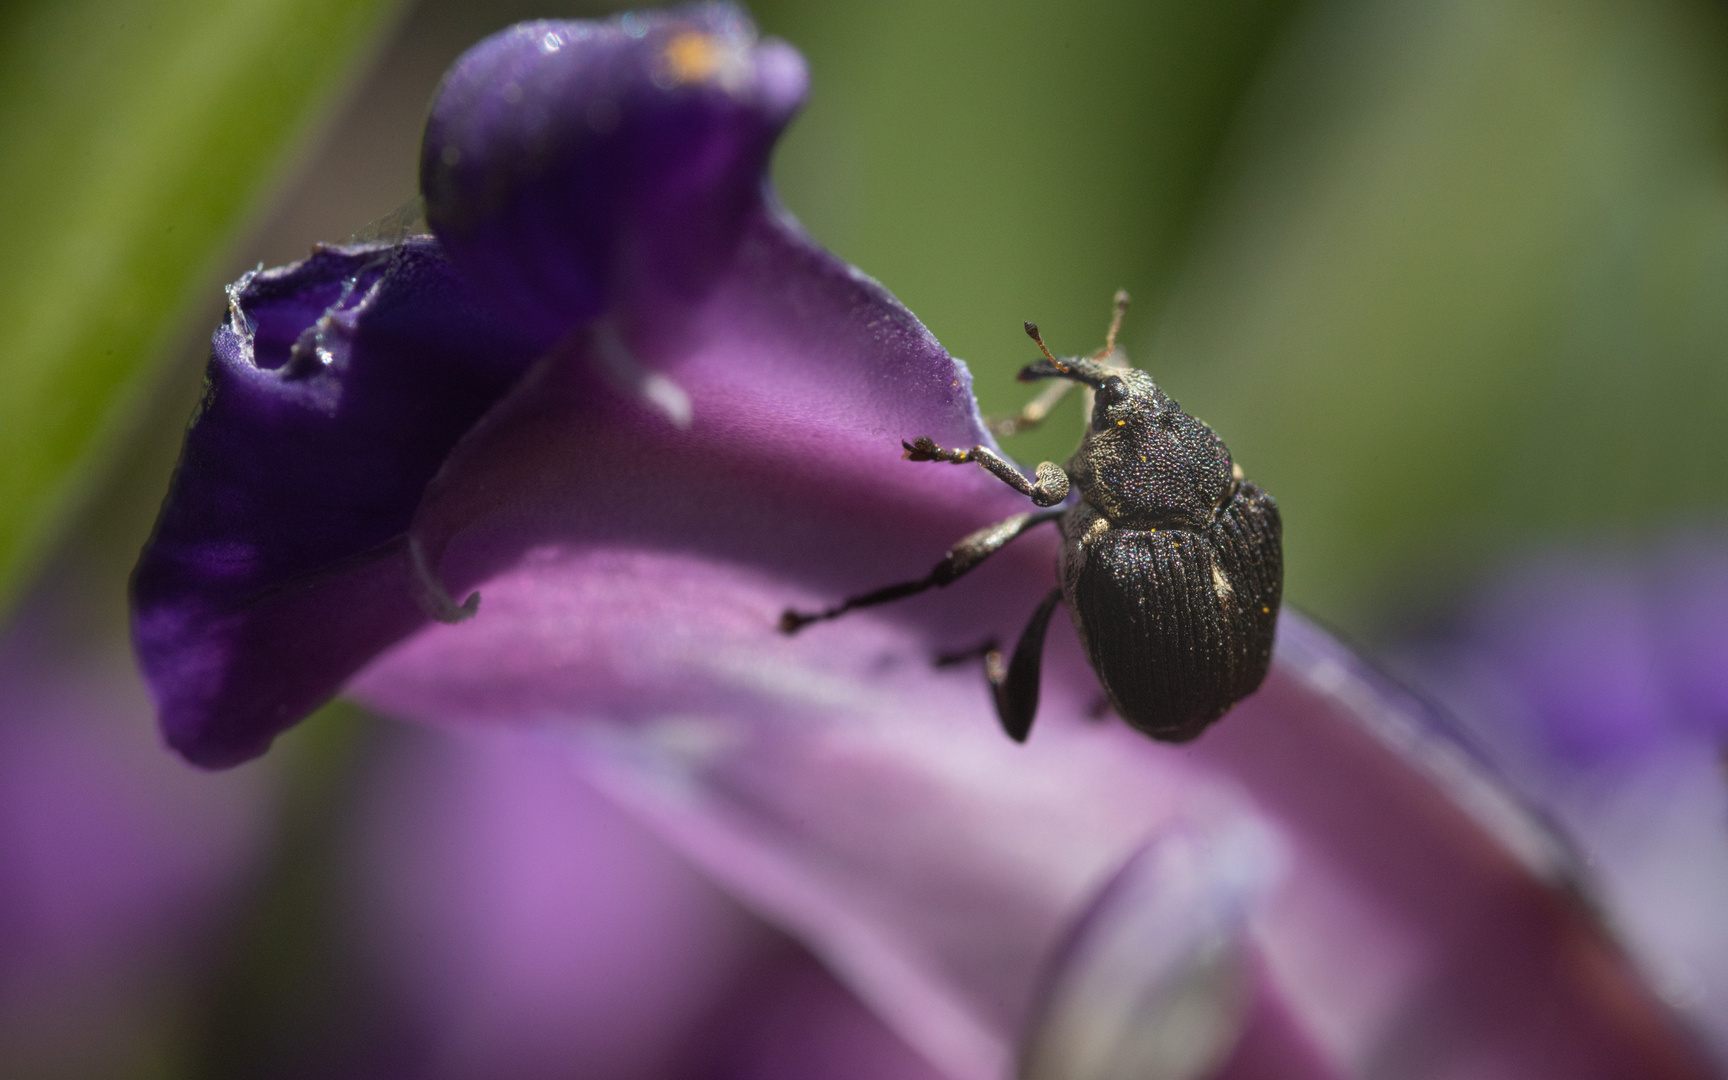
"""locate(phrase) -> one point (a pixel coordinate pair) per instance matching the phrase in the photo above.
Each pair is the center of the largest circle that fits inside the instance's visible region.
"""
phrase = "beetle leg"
(1034, 411)
(1016, 690)
(1050, 487)
(961, 559)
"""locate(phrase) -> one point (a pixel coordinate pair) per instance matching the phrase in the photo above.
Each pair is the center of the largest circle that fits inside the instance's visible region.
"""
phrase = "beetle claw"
(923, 448)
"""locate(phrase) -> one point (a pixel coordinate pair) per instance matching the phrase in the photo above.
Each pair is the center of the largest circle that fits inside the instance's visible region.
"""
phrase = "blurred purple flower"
(623, 393)
(119, 869)
(1598, 681)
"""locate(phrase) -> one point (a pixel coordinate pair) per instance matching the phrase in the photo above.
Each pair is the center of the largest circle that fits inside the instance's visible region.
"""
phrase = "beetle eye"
(1113, 392)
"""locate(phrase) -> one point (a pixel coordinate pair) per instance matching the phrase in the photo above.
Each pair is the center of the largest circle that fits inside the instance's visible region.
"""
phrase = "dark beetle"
(1172, 564)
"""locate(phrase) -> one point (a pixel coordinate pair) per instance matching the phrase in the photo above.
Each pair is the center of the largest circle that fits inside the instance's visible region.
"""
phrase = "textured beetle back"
(1178, 623)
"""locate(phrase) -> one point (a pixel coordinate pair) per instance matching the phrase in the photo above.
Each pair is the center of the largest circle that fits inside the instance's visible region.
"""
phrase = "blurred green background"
(1448, 277)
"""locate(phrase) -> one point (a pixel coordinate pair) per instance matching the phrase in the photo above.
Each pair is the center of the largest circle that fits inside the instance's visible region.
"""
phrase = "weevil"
(1171, 563)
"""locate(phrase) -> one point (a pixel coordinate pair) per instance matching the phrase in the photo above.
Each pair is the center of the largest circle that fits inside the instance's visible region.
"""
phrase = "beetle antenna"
(1080, 369)
(1032, 332)
(1116, 321)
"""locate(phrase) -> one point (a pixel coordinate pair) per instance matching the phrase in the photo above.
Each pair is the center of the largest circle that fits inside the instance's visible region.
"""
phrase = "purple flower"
(624, 397)
(1598, 679)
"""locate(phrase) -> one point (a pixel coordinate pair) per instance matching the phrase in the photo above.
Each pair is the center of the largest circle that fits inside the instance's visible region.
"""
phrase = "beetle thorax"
(1145, 463)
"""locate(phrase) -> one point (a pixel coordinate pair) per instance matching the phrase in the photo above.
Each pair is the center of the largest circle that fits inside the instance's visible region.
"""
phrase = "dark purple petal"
(334, 392)
(567, 164)
(339, 385)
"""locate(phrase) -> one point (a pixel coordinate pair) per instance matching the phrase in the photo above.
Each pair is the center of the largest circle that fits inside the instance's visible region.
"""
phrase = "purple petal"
(804, 377)
(1275, 1044)
(641, 601)
(569, 164)
(635, 572)
(799, 1022)
(339, 385)
(519, 927)
(886, 820)
(333, 393)
(868, 802)
(1152, 981)
(1428, 926)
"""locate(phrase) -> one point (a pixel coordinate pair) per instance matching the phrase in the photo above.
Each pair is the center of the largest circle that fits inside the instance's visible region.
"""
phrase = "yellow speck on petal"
(693, 57)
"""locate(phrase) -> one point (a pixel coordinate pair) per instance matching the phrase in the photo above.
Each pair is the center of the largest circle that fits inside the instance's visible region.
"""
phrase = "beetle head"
(1147, 464)
(1128, 398)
